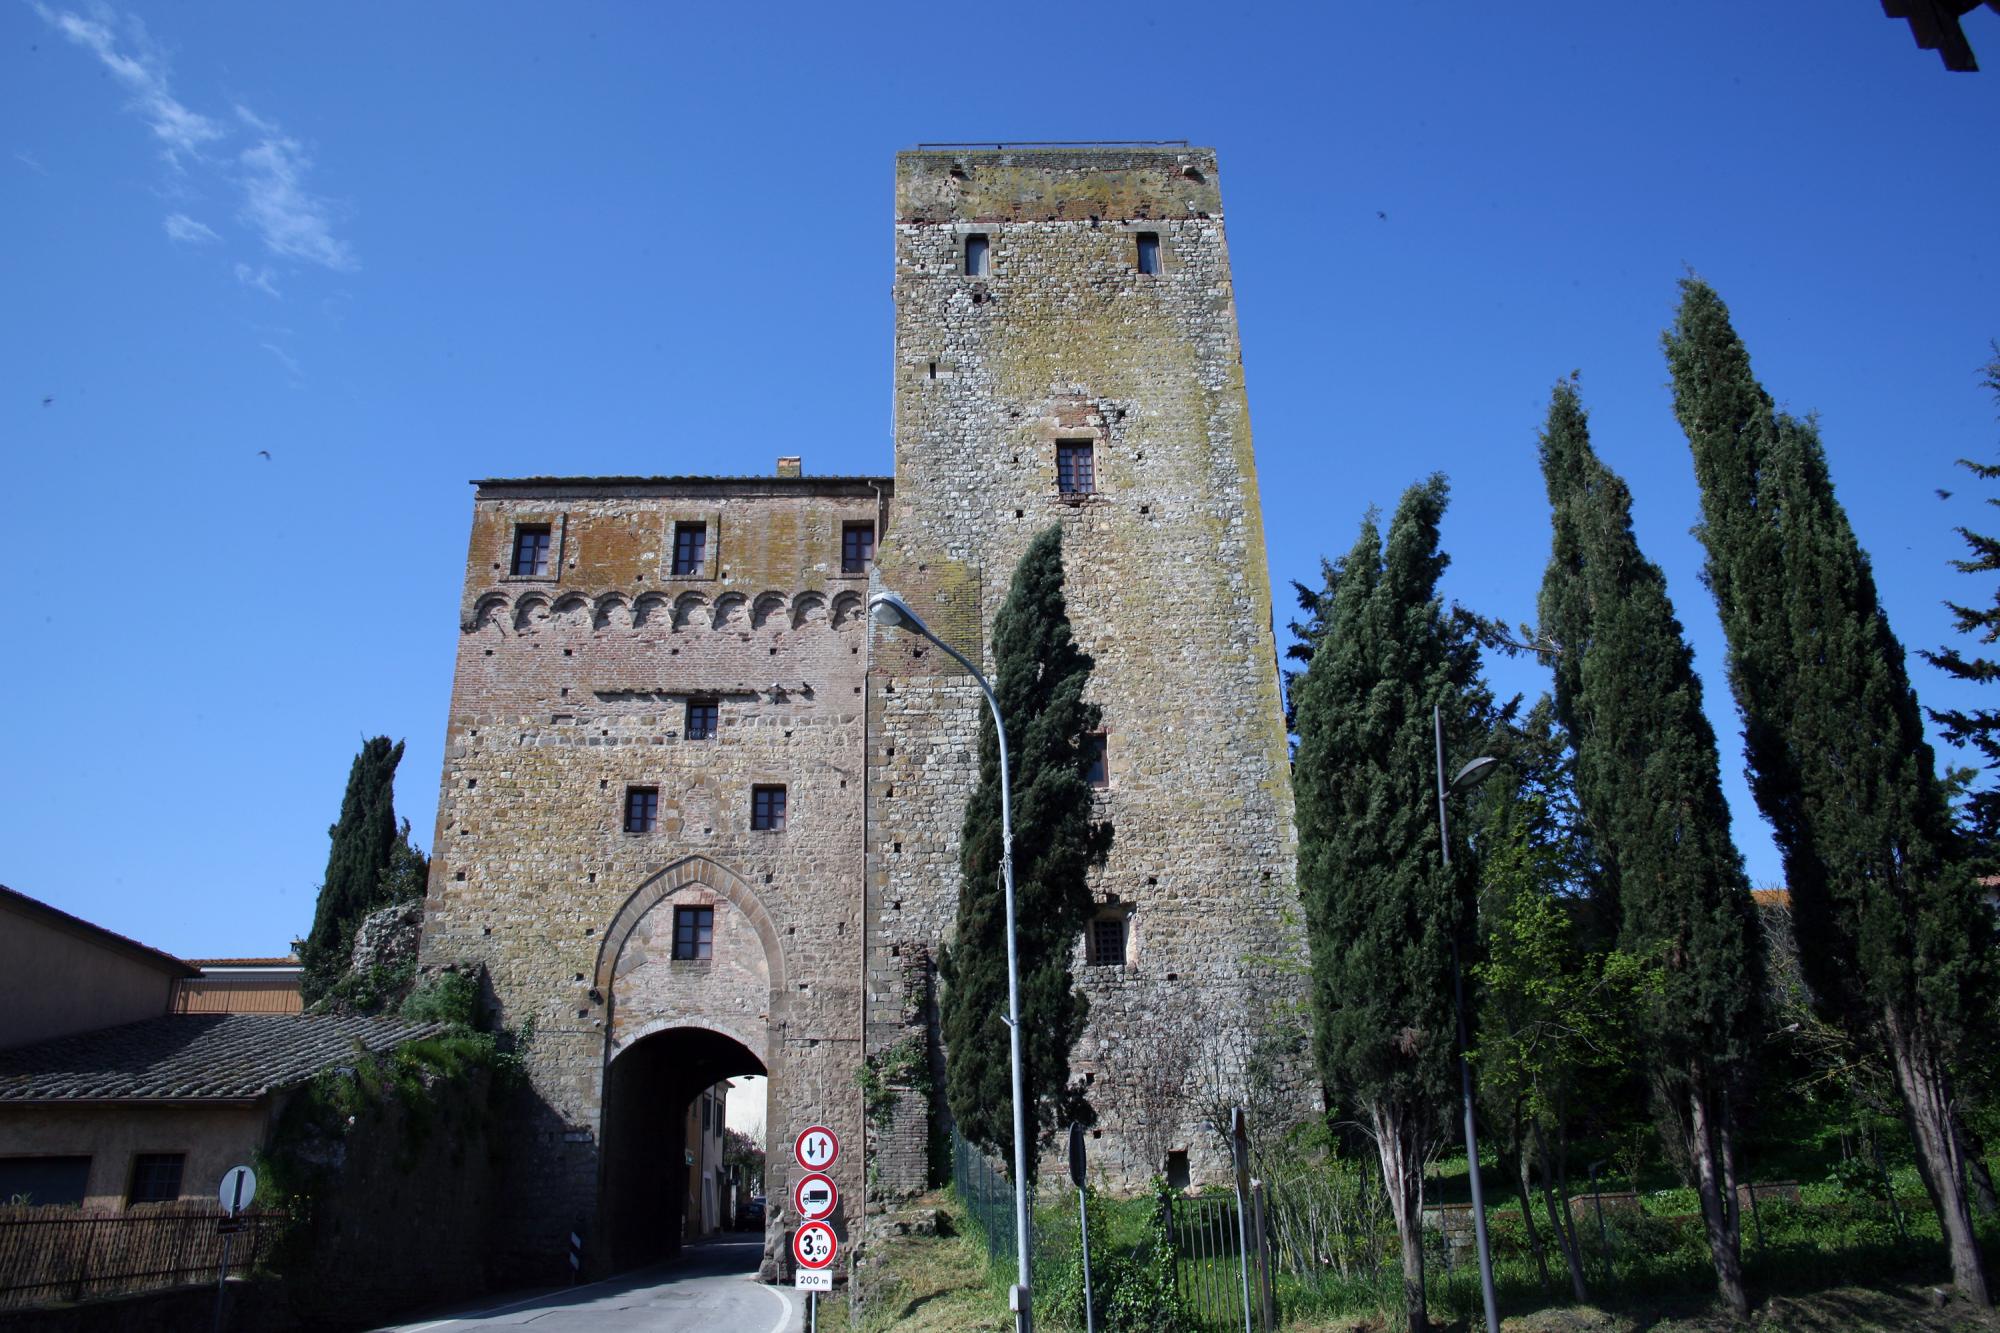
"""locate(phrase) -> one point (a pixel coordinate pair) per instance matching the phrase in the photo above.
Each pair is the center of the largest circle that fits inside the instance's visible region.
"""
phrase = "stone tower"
(699, 820)
(1067, 353)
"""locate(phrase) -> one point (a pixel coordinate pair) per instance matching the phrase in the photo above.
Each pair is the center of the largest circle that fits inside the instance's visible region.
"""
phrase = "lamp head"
(1475, 773)
(892, 612)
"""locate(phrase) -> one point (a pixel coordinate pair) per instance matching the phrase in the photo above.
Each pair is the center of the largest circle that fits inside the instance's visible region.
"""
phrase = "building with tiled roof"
(130, 1076)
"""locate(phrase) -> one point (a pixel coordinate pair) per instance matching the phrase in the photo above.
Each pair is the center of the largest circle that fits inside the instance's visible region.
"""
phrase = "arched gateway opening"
(693, 976)
(649, 1090)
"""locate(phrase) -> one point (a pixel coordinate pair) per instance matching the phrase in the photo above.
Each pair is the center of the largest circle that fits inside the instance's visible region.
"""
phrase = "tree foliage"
(1890, 933)
(1382, 910)
(1039, 677)
(1649, 789)
(370, 864)
(1977, 728)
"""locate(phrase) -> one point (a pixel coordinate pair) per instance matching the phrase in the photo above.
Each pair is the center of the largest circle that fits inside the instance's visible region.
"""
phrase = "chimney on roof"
(789, 467)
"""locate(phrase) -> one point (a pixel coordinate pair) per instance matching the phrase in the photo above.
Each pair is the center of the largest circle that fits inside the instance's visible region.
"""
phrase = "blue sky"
(398, 247)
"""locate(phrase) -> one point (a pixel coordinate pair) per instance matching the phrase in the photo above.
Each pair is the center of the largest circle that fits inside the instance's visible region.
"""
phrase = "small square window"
(690, 548)
(1107, 941)
(156, 1177)
(857, 547)
(1177, 1169)
(1149, 252)
(531, 549)
(701, 719)
(1076, 467)
(642, 809)
(1096, 763)
(975, 255)
(767, 808)
(694, 933)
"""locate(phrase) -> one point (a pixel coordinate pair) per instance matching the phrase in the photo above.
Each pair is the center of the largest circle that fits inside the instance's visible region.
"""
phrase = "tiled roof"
(195, 1057)
(245, 962)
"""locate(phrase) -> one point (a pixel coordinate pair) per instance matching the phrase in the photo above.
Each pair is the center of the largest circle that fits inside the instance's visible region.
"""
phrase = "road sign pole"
(222, 1281)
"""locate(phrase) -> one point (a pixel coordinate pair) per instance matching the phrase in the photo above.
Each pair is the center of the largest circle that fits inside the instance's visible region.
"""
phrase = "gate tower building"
(698, 819)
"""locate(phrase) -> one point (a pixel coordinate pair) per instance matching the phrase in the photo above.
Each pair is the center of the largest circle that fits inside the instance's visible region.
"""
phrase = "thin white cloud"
(261, 278)
(144, 74)
(182, 228)
(285, 358)
(27, 159)
(292, 221)
(271, 174)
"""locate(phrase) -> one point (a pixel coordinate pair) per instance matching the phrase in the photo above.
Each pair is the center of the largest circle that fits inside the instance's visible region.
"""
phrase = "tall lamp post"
(1466, 778)
(892, 612)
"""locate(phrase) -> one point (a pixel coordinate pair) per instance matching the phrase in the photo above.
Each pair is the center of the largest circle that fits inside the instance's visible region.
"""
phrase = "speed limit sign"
(814, 1245)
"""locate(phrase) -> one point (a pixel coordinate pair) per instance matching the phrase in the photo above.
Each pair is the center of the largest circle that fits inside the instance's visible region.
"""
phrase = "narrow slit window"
(1096, 765)
(694, 934)
(690, 548)
(1149, 252)
(975, 255)
(767, 808)
(531, 549)
(702, 715)
(857, 547)
(642, 809)
(1076, 467)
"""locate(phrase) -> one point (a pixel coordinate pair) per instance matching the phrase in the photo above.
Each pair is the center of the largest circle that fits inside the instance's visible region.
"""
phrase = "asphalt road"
(710, 1288)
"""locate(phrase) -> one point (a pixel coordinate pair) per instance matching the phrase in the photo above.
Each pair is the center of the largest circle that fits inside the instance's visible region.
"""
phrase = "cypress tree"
(1891, 937)
(1649, 789)
(359, 862)
(1039, 678)
(1978, 728)
(1381, 910)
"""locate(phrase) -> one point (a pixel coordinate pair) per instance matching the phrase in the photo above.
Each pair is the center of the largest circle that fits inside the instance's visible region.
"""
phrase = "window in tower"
(690, 548)
(1107, 940)
(1076, 467)
(694, 938)
(642, 809)
(767, 808)
(857, 547)
(975, 255)
(701, 719)
(1096, 765)
(531, 549)
(1149, 252)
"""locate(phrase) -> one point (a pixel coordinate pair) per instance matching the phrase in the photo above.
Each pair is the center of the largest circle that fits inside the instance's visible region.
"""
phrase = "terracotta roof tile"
(195, 1057)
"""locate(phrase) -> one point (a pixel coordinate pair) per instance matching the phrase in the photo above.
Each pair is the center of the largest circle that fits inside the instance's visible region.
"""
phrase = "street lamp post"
(1470, 776)
(892, 612)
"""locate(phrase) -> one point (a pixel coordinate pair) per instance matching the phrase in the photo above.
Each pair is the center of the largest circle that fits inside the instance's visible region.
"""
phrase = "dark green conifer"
(1649, 790)
(1978, 728)
(1039, 677)
(1381, 910)
(1891, 938)
(363, 865)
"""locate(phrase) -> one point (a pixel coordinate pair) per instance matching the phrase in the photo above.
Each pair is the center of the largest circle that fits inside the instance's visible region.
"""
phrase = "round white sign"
(814, 1196)
(816, 1147)
(239, 1187)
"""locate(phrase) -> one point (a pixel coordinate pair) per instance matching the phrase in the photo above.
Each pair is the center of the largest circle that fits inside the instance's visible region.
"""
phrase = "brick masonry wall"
(1063, 339)
(573, 686)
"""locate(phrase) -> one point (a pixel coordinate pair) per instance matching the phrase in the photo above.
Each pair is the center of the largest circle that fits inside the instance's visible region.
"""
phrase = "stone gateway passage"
(700, 820)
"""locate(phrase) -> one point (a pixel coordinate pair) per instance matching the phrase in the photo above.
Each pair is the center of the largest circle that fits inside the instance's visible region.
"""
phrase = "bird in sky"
(264, 454)
(1943, 494)
(48, 398)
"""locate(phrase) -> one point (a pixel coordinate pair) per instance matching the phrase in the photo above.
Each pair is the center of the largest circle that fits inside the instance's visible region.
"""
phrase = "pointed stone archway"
(693, 978)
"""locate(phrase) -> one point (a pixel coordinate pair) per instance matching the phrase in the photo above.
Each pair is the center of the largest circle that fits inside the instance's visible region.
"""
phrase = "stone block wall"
(1062, 339)
(573, 686)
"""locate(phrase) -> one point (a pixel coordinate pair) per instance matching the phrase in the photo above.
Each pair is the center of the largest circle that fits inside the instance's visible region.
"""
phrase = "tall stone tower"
(1067, 353)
